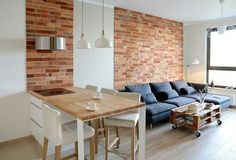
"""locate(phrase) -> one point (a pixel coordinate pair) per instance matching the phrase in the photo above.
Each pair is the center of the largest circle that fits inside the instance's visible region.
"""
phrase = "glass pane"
(223, 78)
(223, 48)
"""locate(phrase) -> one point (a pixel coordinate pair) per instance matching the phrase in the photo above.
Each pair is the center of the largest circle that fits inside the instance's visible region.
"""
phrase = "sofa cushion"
(149, 98)
(160, 87)
(177, 85)
(157, 108)
(187, 90)
(216, 99)
(195, 96)
(169, 94)
(141, 88)
(180, 101)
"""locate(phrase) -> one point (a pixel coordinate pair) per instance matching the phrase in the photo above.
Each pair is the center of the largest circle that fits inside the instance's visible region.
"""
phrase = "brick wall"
(147, 48)
(49, 69)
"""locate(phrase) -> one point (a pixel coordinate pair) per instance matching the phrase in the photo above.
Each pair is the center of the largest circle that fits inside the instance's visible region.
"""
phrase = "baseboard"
(17, 140)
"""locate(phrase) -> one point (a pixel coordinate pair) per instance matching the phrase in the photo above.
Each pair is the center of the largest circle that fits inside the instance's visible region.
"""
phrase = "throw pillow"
(187, 90)
(149, 98)
(169, 94)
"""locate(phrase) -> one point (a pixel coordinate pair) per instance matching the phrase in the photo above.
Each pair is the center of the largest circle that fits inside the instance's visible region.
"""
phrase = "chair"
(92, 87)
(97, 126)
(60, 134)
(108, 91)
(128, 120)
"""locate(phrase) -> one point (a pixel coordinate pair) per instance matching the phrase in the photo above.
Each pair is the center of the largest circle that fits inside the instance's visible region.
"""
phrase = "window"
(221, 57)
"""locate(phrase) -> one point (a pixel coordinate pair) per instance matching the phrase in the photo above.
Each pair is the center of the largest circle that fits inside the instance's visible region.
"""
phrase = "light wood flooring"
(162, 143)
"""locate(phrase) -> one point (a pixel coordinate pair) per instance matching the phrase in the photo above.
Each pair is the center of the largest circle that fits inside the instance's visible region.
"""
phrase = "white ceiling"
(187, 11)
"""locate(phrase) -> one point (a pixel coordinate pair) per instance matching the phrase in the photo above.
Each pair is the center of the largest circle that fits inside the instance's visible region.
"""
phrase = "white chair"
(92, 87)
(108, 91)
(128, 120)
(59, 134)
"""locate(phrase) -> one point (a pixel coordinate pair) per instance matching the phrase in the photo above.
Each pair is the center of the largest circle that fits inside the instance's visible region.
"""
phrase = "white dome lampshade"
(102, 42)
(83, 44)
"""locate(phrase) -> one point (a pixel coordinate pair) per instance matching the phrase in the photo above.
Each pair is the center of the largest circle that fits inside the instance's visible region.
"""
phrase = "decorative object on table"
(193, 108)
(194, 62)
(203, 93)
(208, 105)
(83, 44)
(103, 42)
(97, 96)
(92, 106)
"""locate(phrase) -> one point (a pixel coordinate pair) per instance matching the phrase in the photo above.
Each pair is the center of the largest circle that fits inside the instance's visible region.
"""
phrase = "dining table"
(76, 103)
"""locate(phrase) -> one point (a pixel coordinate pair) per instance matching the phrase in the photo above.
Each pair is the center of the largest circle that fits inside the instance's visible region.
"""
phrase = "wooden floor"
(162, 143)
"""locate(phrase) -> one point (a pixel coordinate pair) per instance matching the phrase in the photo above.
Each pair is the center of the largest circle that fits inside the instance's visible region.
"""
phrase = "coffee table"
(181, 116)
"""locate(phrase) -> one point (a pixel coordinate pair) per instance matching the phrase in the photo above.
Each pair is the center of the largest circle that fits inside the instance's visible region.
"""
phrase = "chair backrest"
(108, 91)
(131, 96)
(52, 124)
(92, 87)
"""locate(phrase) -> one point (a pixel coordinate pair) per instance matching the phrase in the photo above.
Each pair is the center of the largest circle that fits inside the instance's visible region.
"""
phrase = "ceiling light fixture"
(221, 29)
(83, 44)
(102, 42)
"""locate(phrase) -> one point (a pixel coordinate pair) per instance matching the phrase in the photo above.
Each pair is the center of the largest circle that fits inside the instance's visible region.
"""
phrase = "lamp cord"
(103, 16)
(82, 17)
(222, 9)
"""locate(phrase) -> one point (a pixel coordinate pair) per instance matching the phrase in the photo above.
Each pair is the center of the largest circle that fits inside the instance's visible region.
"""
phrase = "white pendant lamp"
(102, 42)
(83, 44)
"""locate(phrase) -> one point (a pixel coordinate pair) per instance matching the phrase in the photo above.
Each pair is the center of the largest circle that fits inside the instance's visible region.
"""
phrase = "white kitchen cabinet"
(36, 123)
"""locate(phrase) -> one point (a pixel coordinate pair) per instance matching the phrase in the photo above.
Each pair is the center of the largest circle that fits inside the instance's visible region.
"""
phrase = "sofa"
(161, 97)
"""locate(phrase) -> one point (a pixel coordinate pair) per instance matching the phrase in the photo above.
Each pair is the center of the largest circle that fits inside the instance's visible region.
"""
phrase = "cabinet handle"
(36, 123)
(35, 105)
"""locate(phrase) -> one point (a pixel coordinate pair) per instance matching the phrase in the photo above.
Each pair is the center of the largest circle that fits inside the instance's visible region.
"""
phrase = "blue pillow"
(177, 85)
(149, 98)
(187, 90)
(142, 88)
(169, 94)
(160, 87)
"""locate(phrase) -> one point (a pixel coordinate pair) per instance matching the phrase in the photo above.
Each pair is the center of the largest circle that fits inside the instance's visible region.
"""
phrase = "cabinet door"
(36, 114)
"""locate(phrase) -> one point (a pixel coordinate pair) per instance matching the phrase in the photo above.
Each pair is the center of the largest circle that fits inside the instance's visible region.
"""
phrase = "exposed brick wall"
(49, 69)
(147, 48)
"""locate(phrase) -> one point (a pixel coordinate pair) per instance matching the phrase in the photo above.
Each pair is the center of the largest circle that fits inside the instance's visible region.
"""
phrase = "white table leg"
(80, 135)
(142, 131)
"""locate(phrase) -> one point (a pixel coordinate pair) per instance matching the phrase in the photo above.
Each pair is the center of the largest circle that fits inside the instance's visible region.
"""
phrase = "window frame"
(217, 68)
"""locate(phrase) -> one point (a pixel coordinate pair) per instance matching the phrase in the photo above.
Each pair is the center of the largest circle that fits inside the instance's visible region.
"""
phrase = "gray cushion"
(177, 85)
(158, 108)
(149, 98)
(180, 101)
(187, 90)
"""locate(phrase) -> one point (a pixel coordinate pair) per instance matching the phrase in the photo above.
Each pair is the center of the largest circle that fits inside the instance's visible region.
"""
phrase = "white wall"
(195, 47)
(14, 107)
(95, 65)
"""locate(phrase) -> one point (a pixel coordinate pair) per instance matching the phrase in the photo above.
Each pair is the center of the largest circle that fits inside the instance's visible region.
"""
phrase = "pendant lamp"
(83, 44)
(221, 29)
(102, 42)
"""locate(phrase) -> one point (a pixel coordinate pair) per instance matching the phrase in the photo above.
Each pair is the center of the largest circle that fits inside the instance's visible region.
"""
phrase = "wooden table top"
(75, 103)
